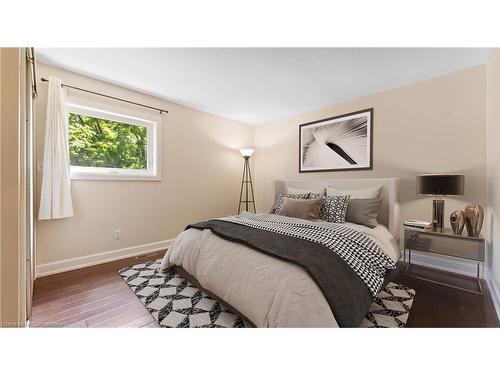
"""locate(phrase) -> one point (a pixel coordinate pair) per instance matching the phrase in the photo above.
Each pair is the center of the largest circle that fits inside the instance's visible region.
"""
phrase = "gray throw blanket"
(341, 278)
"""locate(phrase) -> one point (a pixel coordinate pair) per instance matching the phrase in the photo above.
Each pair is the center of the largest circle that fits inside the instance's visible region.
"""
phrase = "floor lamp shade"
(247, 151)
(440, 185)
(247, 199)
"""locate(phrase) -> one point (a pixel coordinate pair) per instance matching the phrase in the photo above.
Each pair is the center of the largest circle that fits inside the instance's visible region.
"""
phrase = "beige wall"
(429, 126)
(201, 172)
(9, 189)
(493, 140)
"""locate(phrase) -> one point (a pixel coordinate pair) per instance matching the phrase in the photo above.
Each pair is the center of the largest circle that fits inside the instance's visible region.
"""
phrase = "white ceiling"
(258, 85)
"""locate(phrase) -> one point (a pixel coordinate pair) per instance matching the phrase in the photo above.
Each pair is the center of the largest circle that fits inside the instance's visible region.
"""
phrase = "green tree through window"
(101, 143)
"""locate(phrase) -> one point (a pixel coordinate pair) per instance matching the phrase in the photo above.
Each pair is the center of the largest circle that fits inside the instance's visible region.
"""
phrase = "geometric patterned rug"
(176, 303)
(391, 308)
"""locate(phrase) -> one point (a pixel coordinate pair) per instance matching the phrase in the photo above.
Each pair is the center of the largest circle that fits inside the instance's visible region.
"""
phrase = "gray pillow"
(307, 209)
(363, 211)
(279, 201)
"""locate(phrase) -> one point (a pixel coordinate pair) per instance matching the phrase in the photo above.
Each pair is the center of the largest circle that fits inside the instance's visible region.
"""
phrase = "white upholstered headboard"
(389, 211)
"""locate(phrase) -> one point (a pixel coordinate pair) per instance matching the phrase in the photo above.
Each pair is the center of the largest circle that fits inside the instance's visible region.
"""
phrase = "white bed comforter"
(268, 291)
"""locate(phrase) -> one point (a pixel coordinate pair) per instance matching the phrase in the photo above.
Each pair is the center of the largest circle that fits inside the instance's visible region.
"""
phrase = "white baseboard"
(455, 265)
(51, 268)
(494, 291)
(459, 266)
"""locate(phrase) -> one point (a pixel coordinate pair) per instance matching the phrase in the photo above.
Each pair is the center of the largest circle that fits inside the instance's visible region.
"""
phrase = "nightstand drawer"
(457, 246)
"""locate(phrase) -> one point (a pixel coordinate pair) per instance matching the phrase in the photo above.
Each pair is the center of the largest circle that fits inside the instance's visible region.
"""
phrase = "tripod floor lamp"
(246, 196)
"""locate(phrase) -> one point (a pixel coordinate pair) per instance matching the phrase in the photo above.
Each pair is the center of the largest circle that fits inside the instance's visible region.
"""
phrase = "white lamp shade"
(247, 152)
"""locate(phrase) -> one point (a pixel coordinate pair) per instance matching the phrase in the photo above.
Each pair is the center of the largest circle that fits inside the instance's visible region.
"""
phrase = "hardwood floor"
(90, 297)
(98, 297)
(441, 306)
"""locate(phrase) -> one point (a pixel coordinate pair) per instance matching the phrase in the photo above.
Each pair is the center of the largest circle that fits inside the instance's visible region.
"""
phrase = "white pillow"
(292, 190)
(365, 193)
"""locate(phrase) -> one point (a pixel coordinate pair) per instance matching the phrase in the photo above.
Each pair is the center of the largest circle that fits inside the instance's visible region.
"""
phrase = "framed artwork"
(339, 143)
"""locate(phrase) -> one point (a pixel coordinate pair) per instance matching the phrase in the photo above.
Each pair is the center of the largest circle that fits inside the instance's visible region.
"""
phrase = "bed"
(245, 261)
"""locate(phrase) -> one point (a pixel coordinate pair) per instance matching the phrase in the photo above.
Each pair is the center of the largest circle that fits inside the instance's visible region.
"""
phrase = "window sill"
(112, 177)
(115, 178)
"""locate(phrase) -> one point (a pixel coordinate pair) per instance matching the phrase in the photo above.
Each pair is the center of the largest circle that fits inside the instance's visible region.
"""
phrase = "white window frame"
(108, 112)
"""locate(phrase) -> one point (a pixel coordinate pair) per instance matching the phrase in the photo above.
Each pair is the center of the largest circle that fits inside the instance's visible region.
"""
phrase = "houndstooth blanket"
(362, 255)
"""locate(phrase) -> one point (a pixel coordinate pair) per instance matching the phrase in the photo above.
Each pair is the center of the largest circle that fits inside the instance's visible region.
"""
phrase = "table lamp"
(440, 185)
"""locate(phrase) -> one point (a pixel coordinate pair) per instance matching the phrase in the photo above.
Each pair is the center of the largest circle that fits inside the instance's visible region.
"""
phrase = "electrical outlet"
(118, 234)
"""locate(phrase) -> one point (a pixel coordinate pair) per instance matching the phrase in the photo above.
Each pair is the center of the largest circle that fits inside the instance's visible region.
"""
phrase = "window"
(105, 145)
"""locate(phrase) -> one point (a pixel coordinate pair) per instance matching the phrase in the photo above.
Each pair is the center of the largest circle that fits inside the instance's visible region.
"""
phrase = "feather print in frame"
(337, 143)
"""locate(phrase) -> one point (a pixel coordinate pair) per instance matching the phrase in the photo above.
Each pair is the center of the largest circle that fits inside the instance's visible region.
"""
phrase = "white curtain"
(55, 201)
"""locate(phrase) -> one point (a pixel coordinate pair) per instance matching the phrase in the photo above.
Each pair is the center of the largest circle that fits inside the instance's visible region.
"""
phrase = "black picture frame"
(336, 121)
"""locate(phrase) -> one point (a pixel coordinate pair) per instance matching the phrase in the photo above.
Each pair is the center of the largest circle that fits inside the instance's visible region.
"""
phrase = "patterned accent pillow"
(281, 198)
(334, 208)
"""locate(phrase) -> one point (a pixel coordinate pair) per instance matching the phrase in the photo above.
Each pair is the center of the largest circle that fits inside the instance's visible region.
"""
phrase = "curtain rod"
(109, 96)
(30, 56)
